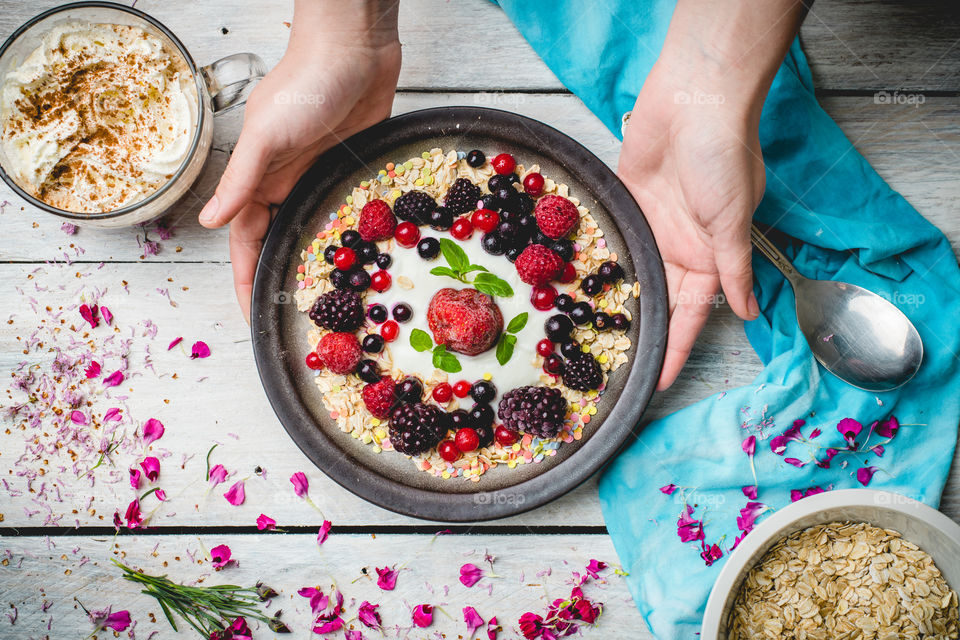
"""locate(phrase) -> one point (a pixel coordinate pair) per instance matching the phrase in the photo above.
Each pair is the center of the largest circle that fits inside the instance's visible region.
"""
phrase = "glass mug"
(221, 85)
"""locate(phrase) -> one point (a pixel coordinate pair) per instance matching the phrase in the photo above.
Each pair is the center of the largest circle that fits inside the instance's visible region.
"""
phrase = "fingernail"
(209, 211)
(752, 305)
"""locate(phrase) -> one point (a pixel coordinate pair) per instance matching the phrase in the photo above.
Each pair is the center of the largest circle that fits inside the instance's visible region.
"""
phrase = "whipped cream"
(98, 117)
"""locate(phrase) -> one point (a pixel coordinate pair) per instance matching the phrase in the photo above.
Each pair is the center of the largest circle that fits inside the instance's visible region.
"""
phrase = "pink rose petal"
(235, 495)
(352, 634)
(795, 462)
(90, 314)
(265, 522)
(594, 567)
(850, 429)
(152, 431)
(711, 554)
(133, 516)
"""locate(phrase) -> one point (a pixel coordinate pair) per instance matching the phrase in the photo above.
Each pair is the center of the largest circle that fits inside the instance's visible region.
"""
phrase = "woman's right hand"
(326, 87)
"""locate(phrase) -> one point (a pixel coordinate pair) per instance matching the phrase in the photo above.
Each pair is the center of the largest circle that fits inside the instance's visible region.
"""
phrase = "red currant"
(504, 163)
(462, 229)
(462, 389)
(485, 220)
(553, 364)
(407, 234)
(313, 361)
(344, 258)
(467, 439)
(542, 297)
(504, 436)
(380, 281)
(389, 330)
(569, 273)
(545, 348)
(442, 393)
(533, 184)
(448, 450)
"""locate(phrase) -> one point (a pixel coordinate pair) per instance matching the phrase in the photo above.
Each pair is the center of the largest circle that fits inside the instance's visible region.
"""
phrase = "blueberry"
(372, 343)
(441, 218)
(539, 237)
(428, 248)
(459, 418)
(350, 238)
(366, 252)
(493, 244)
(570, 349)
(507, 199)
(483, 392)
(602, 321)
(610, 271)
(509, 231)
(485, 434)
(369, 371)
(563, 302)
(528, 225)
(553, 364)
(581, 313)
(359, 280)
(328, 253)
(558, 328)
(498, 182)
(513, 253)
(563, 248)
(525, 203)
(377, 313)
(592, 285)
(410, 390)
(339, 279)
(513, 178)
(481, 415)
(476, 158)
(384, 260)
(509, 216)
(489, 201)
(402, 312)
(620, 322)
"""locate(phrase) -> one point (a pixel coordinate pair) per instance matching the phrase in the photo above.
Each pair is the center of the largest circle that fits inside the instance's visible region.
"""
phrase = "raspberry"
(462, 196)
(380, 397)
(556, 216)
(377, 221)
(539, 411)
(415, 428)
(338, 310)
(538, 265)
(414, 206)
(466, 321)
(340, 352)
(582, 373)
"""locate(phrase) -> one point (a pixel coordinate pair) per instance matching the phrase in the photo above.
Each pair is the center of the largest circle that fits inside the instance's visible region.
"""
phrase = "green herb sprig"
(421, 341)
(508, 339)
(460, 269)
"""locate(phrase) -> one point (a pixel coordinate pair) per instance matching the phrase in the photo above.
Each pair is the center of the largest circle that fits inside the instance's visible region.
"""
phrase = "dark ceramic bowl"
(389, 479)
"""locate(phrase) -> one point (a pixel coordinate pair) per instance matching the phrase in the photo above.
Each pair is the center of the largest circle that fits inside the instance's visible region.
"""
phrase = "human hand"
(326, 87)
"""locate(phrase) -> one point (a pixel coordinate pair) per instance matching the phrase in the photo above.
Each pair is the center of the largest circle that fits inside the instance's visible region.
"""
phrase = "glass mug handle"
(229, 80)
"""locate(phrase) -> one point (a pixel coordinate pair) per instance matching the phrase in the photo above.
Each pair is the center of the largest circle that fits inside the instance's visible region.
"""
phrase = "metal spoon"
(854, 333)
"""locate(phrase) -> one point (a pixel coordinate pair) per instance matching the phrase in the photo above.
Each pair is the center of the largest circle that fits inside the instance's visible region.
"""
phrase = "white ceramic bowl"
(924, 526)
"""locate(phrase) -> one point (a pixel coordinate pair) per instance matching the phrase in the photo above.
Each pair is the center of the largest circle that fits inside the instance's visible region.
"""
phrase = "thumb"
(733, 253)
(238, 183)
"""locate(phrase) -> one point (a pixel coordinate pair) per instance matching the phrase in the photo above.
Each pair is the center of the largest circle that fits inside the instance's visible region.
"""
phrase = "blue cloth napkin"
(844, 223)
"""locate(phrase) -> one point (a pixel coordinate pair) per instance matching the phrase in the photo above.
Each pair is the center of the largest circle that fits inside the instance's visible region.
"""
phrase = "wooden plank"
(915, 148)
(41, 577)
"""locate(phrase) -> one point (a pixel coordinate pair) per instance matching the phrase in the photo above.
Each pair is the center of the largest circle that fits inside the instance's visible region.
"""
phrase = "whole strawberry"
(340, 352)
(377, 221)
(538, 265)
(380, 397)
(465, 321)
(556, 216)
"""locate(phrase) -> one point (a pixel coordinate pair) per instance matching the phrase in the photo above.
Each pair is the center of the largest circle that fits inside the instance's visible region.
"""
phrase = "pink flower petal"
(594, 567)
(778, 444)
(324, 532)
(113, 379)
(850, 429)
(300, 484)
(352, 634)
(161, 494)
(152, 431)
(879, 450)
(220, 556)
(78, 417)
(118, 620)
(218, 473)
(386, 578)
(825, 462)
(812, 491)
(174, 342)
(748, 516)
(368, 615)
(133, 516)
(749, 445)
(265, 522)
(795, 494)
(135, 478)
(493, 628)
(668, 489)
(107, 316)
(531, 625)
(689, 529)
(199, 350)
(865, 475)
(815, 433)
(750, 491)
(711, 554)
(151, 468)
(68, 228)
(470, 574)
(328, 626)
(423, 615)
(795, 462)
(93, 371)
(112, 415)
(888, 428)
(90, 314)
(473, 620)
(235, 495)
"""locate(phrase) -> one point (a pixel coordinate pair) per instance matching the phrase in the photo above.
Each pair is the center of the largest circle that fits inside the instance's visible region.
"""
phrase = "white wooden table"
(219, 400)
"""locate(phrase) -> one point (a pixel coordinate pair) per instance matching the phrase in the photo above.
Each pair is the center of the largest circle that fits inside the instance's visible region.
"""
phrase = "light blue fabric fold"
(844, 223)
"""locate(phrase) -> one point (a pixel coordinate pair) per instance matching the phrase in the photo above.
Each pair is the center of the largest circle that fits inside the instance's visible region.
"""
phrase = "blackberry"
(416, 428)
(462, 196)
(338, 311)
(538, 411)
(414, 206)
(582, 373)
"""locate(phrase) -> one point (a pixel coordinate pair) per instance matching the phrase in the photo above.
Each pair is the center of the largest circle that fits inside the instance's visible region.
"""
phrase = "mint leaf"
(445, 271)
(420, 340)
(474, 267)
(492, 285)
(454, 255)
(505, 348)
(444, 360)
(518, 323)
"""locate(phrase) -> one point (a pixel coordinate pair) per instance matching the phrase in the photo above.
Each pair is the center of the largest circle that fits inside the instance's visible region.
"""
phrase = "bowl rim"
(617, 430)
(783, 518)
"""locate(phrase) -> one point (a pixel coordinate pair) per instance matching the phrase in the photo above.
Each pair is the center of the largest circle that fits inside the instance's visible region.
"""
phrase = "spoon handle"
(767, 248)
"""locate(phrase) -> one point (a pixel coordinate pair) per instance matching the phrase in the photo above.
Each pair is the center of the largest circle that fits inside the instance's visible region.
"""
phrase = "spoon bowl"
(856, 334)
